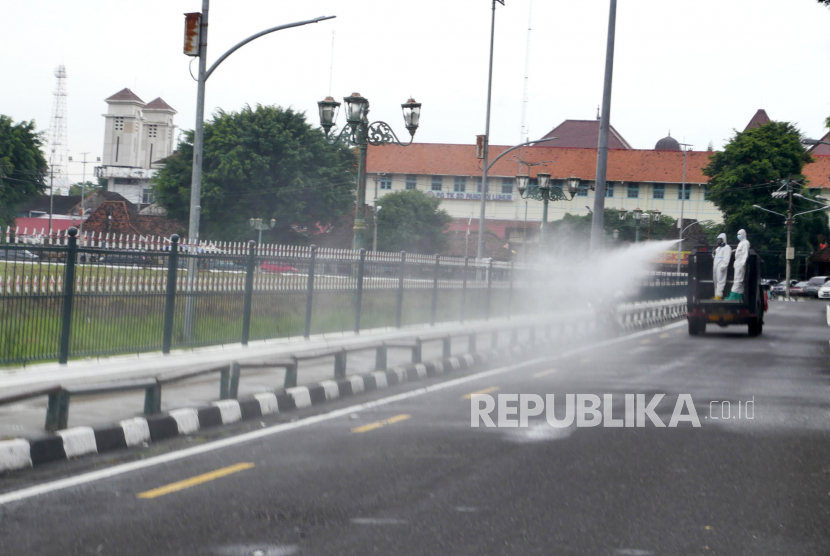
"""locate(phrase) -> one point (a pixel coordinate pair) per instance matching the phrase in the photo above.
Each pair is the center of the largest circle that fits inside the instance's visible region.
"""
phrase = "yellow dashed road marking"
(379, 424)
(485, 391)
(666, 335)
(585, 360)
(193, 481)
(545, 373)
(645, 341)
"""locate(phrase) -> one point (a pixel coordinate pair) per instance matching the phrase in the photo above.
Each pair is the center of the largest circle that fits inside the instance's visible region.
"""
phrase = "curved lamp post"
(198, 141)
(545, 192)
(360, 133)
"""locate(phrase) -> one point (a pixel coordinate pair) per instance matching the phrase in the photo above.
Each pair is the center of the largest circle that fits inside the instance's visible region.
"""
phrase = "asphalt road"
(411, 476)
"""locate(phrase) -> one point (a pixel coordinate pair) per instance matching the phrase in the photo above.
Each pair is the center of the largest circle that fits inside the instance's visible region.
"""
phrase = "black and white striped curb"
(74, 442)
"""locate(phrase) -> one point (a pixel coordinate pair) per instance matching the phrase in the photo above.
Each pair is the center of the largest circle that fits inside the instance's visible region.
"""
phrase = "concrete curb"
(20, 453)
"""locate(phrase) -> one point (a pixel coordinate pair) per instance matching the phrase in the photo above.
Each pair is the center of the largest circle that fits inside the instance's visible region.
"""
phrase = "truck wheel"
(754, 327)
(694, 329)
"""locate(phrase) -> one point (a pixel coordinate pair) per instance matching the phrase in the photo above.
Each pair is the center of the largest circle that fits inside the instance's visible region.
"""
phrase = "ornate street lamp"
(641, 220)
(545, 191)
(258, 224)
(360, 133)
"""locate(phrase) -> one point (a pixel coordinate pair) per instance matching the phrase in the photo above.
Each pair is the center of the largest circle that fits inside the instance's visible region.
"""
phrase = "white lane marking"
(116, 470)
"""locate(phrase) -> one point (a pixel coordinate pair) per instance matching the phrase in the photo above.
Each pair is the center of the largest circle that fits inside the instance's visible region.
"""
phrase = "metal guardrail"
(628, 316)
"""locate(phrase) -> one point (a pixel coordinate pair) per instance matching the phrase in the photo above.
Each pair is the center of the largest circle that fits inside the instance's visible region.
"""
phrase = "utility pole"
(83, 189)
(790, 254)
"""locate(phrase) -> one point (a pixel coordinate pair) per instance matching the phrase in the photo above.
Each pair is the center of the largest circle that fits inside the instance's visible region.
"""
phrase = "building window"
(706, 193)
(147, 197)
(680, 192)
(117, 145)
(478, 185)
(582, 191)
(460, 184)
(411, 182)
(386, 182)
(633, 190)
(507, 186)
(659, 190)
(609, 189)
(437, 183)
(119, 124)
(152, 130)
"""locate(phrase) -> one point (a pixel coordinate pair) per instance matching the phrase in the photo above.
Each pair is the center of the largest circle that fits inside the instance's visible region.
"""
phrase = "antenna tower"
(59, 150)
(525, 134)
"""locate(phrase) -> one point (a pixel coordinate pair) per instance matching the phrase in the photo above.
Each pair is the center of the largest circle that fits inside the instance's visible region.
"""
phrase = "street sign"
(480, 147)
(192, 32)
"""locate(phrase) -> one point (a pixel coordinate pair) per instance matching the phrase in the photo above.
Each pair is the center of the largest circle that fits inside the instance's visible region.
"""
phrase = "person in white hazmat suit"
(723, 254)
(741, 254)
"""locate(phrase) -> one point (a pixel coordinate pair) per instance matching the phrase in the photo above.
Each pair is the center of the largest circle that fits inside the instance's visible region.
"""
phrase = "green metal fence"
(85, 297)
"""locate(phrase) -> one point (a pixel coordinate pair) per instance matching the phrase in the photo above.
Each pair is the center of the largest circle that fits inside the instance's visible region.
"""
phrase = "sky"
(697, 69)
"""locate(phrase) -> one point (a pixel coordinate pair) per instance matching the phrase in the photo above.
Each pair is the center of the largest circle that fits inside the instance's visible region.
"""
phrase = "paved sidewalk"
(27, 418)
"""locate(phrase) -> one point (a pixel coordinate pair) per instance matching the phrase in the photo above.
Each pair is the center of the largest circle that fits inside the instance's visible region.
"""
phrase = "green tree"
(22, 166)
(264, 162)
(83, 187)
(754, 164)
(409, 221)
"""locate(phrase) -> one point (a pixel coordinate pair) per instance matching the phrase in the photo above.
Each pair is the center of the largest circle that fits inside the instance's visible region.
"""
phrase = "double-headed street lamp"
(641, 220)
(360, 133)
(259, 224)
(545, 192)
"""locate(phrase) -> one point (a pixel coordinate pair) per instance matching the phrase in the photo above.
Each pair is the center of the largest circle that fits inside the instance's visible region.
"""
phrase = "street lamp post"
(259, 224)
(543, 191)
(682, 202)
(359, 132)
(198, 140)
(641, 220)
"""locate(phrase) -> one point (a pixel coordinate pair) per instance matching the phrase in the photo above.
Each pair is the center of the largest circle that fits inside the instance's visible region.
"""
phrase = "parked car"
(768, 282)
(17, 255)
(798, 289)
(123, 259)
(824, 291)
(780, 288)
(274, 266)
(223, 264)
(813, 285)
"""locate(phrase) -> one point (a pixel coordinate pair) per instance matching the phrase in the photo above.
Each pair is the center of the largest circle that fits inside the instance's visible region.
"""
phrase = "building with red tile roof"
(584, 134)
